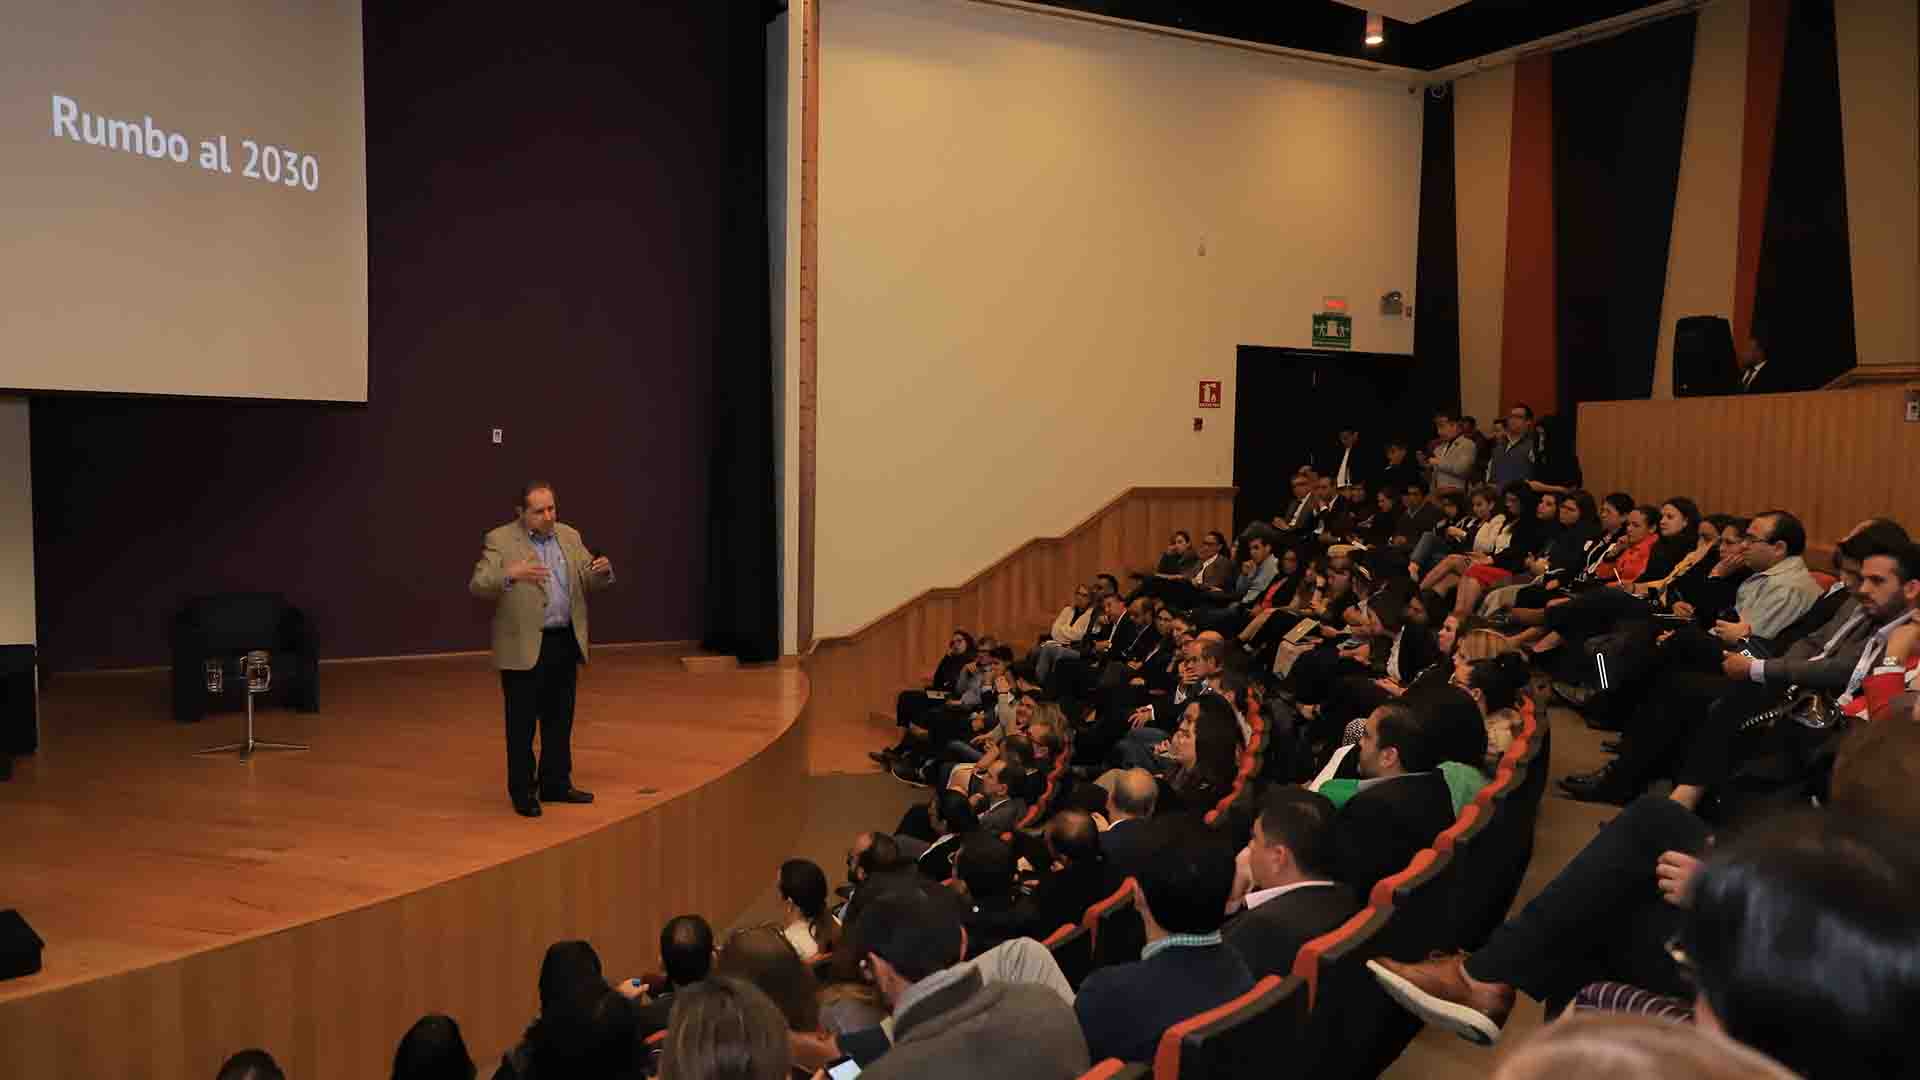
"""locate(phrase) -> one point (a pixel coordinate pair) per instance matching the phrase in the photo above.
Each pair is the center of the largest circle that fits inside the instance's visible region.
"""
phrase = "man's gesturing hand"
(528, 570)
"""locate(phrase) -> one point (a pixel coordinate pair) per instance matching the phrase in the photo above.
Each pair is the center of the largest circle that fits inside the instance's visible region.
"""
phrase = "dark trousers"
(1602, 916)
(542, 697)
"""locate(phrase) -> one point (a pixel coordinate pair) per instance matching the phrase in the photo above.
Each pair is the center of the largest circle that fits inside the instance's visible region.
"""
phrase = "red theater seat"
(1242, 1039)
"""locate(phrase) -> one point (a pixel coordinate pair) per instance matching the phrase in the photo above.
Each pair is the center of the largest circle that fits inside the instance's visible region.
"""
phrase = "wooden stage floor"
(131, 855)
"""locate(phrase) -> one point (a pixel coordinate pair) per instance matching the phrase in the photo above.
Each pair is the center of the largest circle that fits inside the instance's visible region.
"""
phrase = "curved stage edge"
(330, 993)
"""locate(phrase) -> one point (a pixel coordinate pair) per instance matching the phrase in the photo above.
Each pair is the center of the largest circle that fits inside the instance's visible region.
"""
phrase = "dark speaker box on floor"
(1702, 356)
(19, 946)
(19, 705)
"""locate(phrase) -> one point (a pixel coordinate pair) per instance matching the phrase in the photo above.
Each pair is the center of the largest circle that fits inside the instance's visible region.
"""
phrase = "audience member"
(432, 1049)
(1076, 875)
(686, 951)
(1610, 912)
(999, 805)
(1292, 898)
(996, 910)
(1454, 456)
(726, 1029)
(1616, 1047)
(808, 925)
(1181, 889)
(762, 956)
(1136, 795)
(571, 989)
(251, 1065)
(1402, 803)
(948, 1020)
(912, 705)
(951, 819)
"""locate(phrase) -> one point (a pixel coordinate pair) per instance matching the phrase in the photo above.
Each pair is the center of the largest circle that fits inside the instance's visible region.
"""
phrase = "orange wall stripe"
(1766, 59)
(1529, 352)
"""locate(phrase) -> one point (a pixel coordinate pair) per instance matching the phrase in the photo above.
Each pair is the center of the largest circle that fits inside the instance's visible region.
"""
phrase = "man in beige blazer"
(538, 573)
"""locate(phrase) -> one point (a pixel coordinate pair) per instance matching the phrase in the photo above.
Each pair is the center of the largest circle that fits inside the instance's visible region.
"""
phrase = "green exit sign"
(1332, 330)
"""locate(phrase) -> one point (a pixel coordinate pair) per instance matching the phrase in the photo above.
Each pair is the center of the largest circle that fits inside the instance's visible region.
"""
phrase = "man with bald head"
(1077, 876)
(1124, 843)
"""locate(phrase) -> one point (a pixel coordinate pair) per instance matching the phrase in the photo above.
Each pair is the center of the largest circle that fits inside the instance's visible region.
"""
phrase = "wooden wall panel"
(1832, 457)
(856, 677)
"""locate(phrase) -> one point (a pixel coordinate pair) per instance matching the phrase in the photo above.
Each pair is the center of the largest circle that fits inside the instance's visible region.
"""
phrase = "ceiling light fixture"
(1376, 28)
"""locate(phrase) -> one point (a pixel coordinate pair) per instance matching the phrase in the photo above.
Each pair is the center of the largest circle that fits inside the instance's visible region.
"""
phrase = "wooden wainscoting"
(1833, 457)
(854, 679)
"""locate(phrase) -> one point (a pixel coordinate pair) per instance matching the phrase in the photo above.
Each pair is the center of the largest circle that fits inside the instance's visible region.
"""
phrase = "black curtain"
(1619, 110)
(1435, 377)
(1803, 298)
(743, 556)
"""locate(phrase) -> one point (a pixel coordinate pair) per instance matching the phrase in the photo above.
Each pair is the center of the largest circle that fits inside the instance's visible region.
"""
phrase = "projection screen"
(185, 199)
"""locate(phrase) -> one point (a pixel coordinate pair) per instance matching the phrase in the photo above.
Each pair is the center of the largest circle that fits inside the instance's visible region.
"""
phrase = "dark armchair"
(228, 624)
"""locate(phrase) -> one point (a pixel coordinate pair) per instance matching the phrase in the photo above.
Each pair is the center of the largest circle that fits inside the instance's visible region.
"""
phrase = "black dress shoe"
(1606, 786)
(526, 806)
(570, 795)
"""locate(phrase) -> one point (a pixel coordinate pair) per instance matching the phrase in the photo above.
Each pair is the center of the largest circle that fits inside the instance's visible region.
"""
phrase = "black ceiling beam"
(1473, 29)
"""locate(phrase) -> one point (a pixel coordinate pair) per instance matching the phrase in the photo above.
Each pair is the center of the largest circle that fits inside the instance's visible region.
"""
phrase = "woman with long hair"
(1205, 753)
(809, 927)
(571, 989)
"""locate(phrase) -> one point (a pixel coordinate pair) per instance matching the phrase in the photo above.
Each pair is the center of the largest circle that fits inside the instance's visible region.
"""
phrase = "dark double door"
(1290, 403)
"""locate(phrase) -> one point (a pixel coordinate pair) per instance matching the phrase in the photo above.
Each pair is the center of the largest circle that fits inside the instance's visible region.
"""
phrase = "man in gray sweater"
(947, 1020)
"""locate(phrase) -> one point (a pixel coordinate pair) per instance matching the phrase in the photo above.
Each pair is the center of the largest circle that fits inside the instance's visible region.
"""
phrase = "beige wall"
(1706, 212)
(1877, 43)
(16, 525)
(1483, 148)
(1014, 307)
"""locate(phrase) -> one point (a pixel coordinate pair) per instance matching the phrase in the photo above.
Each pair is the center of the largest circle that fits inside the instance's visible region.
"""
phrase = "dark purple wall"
(542, 214)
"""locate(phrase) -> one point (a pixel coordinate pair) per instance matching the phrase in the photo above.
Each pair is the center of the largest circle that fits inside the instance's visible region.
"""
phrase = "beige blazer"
(520, 607)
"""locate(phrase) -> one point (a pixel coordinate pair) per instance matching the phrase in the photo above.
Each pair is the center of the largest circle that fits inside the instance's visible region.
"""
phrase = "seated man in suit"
(999, 803)
(1402, 803)
(1293, 900)
(1181, 889)
(996, 910)
(686, 949)
(1130, 810)
(1076, 877)
(952, 819)
(873, 860)
(948, 1020)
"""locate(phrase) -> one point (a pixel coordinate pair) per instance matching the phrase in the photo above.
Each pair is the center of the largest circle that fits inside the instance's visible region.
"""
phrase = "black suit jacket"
(1125, 1008)
(1124, 846)
(937, 861)
(1064, 896)
(999, 919)
(1420, 521)
(1418, 651)
(1396, 476)
(1360, 467)
(1269, 936)
(1379, 830)
(1772, 378)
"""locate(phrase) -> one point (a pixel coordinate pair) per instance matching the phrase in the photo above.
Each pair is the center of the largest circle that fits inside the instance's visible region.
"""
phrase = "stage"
(317, 903)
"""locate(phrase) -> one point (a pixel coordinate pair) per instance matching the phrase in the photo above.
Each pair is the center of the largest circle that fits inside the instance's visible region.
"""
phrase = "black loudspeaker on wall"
(1702, 356)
